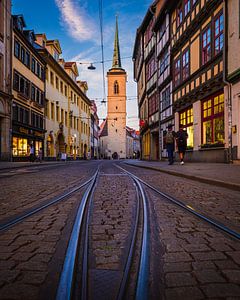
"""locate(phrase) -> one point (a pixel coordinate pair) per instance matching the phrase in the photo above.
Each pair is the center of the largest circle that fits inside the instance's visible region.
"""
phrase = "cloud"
(76, 20)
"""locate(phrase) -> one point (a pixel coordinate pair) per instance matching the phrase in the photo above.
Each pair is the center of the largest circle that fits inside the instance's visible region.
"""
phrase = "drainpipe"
(229, 85)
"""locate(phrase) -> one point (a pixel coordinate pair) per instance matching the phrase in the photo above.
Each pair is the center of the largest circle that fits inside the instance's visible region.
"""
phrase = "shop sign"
(23, 130)
(39, 134)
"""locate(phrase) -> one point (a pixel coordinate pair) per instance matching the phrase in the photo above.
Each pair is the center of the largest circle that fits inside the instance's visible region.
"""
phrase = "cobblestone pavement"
(194, 260)
(188, 258)
(112, 220)
(32, 253)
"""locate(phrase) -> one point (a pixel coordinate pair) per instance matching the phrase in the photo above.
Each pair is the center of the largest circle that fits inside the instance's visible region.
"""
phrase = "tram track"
(66, 287)
(4, 225)
(190, 209)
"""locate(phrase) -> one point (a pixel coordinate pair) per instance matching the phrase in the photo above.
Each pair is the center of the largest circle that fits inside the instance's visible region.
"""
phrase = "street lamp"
(91, 67)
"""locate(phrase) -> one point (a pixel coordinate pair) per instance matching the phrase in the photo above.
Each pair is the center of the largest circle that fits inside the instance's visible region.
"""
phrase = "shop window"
(218, 34)
(206, 45)
(213, 120)
(20, 147)
(186, 120)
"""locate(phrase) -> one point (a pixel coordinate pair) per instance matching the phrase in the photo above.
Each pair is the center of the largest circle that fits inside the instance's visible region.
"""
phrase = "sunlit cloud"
(76, 20)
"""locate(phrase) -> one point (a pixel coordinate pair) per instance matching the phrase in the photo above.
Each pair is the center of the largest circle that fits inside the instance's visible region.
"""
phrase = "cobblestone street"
(189, 258)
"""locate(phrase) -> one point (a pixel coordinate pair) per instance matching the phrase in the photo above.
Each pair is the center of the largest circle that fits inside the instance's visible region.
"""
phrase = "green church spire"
(116, 64)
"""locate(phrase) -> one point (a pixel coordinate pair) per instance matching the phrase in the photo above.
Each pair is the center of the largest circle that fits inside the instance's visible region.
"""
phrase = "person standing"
(169, 139)
(181, 139)
(31, 153)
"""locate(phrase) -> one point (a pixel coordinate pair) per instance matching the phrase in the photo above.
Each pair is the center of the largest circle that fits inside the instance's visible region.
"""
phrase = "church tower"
(116, 116)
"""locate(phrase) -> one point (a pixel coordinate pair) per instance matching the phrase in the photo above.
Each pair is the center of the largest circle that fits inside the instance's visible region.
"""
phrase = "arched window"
(116, 88)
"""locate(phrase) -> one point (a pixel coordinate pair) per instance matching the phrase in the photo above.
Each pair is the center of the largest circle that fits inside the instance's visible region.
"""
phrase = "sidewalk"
(220, 174)
(12, 165)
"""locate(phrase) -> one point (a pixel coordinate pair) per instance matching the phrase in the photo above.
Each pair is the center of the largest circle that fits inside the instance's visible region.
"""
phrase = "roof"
(104, 128)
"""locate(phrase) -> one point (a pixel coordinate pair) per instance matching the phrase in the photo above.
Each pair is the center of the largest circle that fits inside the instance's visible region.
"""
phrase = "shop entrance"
(60, 144)
(50, 146)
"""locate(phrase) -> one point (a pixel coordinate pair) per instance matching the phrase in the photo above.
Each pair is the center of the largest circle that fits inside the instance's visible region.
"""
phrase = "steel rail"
(122, 288)
(144, 266)
(190, 209)
(21, 218)
(66, 282)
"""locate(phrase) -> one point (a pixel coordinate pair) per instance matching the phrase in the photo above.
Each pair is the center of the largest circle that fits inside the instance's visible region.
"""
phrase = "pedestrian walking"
(31, 158)
(181, 139)
(40, 154)
(169, 139)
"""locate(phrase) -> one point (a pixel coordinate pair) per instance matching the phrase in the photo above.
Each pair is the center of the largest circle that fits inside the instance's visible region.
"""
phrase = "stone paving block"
(209, 276)
(226, 264)
(7, 264)
(8, 276)
(235, 255)
(28, 248)
(221, 290)
(232, 275)
(45, 258)
(220, 247)
(22, 256)
(196, 247)
(177, 267)
(19, 291)
(179, 279)
(208, 255)
(177, 257)
(32, 266)
(35, 278)
(203, 265)
(5, 256)
(184, 293)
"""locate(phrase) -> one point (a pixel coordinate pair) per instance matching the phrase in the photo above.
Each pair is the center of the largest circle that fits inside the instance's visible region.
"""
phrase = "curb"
(220, 183)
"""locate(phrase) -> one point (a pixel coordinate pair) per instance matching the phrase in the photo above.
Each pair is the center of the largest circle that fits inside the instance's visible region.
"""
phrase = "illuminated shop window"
(213, 120)
(186, 119)
(20, 147)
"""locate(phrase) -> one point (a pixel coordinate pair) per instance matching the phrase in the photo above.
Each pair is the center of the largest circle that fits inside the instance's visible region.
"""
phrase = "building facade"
(5, 80)
(94, 131)
(189, 39)
(67, 108)
(28, 73)
(232, 76)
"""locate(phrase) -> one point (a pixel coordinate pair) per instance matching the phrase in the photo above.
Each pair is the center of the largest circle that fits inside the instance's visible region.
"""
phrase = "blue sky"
(75, 23)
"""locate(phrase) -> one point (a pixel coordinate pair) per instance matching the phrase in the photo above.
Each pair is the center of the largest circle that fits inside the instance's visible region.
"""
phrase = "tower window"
(116, 88)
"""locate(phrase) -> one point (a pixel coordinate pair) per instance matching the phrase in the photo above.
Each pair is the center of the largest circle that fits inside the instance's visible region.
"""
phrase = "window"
(33, 65)
(179, 16)
(177, 72)
(57, 82)
(186, 120)
(152, 104)
(213, 120)
(62, 116)
(21, 84)
(33, 93)
(206, 45)
(1, 72)
(162, 29)
(185, 64)
(166, 98)
(22, 55)
(218, 34)
(150, 68)
(52, 111)
(17, 49)
(66, 118)
(164, 62)
(61, 87)
(57, 113)
(187, 6)
(38, 70)
(65, 88)
(116, 88)
(47, 108)
(51, 78)
(148, 33)
(27, 59)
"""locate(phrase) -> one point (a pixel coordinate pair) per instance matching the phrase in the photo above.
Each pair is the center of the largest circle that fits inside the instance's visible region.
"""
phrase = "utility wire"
(102, 49)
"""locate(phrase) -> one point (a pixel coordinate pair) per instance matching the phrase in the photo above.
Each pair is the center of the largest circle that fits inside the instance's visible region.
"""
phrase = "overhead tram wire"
(102, 49)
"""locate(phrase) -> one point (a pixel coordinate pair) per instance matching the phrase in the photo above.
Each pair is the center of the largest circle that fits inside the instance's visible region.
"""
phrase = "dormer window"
(19, 24)
(56, 56)
(31, 37)
(116, 88)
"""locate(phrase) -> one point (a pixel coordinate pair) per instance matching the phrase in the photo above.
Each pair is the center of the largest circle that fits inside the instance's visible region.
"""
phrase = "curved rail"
(65, 286)
(24, 216)
(143, 271)
(190, 209)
